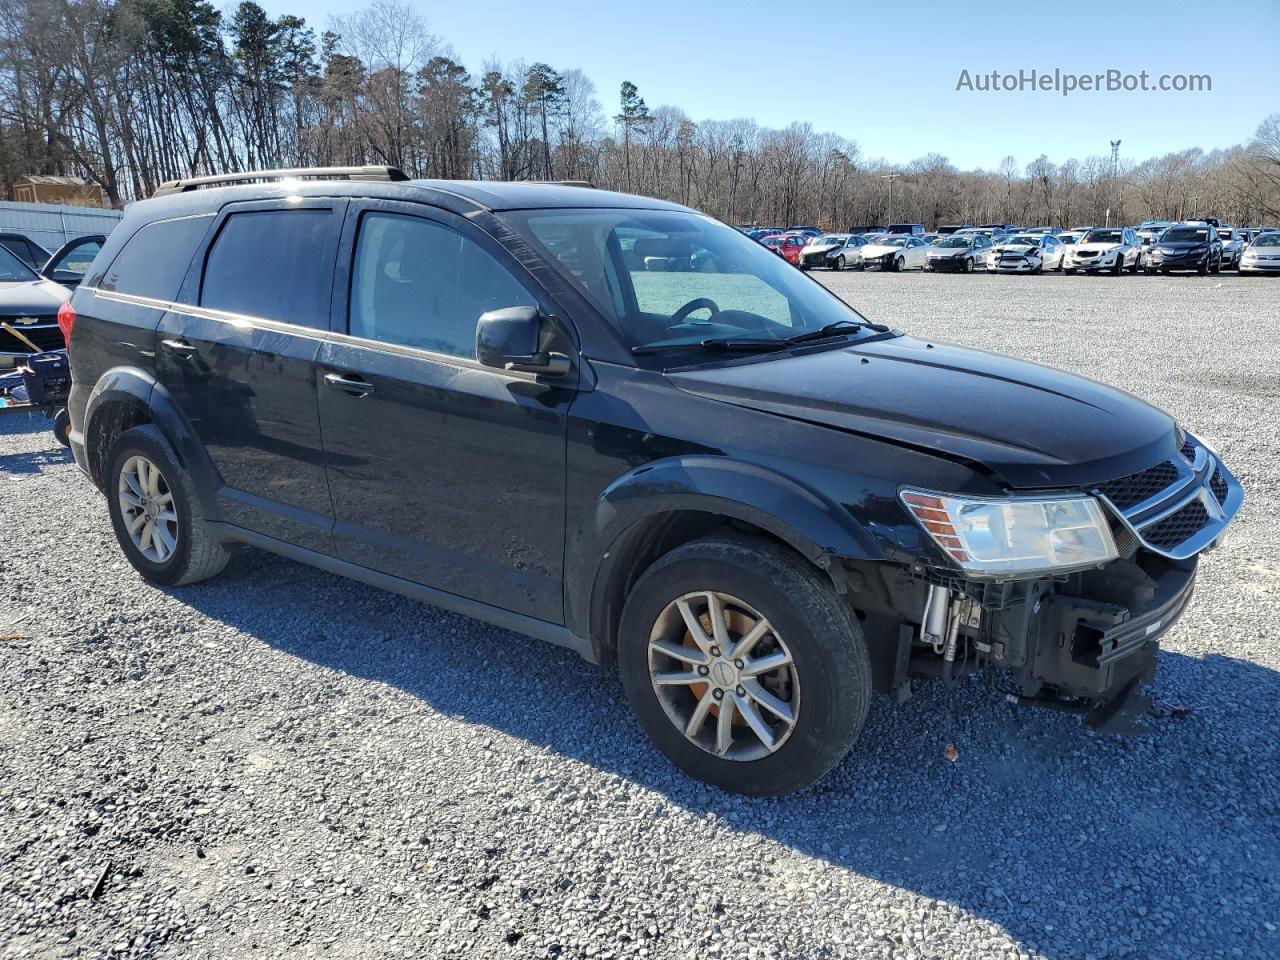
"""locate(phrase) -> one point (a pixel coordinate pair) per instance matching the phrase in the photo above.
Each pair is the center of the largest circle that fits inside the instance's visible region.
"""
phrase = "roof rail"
(373, 173)
(564, 183)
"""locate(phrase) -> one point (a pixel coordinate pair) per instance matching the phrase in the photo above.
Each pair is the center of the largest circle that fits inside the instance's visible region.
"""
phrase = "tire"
(968, 265)
(1134, 268)
(897, 265)
(196, 553)
(1217, 266)
(1203, 268)
(1038, 269)
(830, 671)
(62, 427)
(1069, 271)
(1150, 271)
(860, 267)
(837, 264)
(1119, 267)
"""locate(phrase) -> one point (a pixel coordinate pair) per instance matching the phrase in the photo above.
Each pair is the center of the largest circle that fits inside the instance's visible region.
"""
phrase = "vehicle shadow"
(1075, 844)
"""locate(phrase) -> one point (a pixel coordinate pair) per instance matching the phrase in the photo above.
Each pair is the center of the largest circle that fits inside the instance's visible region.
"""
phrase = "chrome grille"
(1177, 507)
(44, 335)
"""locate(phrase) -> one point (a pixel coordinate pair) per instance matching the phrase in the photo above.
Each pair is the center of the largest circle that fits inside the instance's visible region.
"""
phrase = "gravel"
(279, 762)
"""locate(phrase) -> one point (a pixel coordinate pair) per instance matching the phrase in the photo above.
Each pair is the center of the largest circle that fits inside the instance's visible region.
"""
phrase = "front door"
(239, 358)
(442, 471)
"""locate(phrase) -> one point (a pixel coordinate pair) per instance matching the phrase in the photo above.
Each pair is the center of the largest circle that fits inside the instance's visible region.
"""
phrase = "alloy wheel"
(723, 676)
(147, 508)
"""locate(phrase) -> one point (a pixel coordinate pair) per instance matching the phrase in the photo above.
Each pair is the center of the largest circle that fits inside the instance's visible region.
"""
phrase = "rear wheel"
(156, 514)
(743, 665)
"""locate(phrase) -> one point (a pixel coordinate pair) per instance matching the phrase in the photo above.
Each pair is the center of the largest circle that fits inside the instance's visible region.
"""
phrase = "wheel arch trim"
(818, 529)
(139, 389)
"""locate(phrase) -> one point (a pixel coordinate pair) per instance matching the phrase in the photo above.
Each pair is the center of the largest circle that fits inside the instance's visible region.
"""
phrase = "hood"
(953, 251)
(1101, 246)
(819, 247)
(1180, 244)
(1031, 426)
(1016, 247)
(35, 297)
(878, 249)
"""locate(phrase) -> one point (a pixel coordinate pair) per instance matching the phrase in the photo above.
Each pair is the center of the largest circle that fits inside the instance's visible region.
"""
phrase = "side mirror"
(508, 339)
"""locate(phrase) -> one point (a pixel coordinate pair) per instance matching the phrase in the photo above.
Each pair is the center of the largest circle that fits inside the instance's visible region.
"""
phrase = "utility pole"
(890, 177)
(1115, 169)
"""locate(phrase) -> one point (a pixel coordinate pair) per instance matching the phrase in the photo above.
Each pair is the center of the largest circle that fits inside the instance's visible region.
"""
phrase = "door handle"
(180, 347)
(352, 386)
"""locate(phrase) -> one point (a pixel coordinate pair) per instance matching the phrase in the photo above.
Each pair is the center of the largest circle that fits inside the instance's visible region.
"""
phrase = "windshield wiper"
(830, 330)
(713, 343)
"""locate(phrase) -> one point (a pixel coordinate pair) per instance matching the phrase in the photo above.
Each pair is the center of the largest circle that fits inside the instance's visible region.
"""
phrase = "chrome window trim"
(262, 323)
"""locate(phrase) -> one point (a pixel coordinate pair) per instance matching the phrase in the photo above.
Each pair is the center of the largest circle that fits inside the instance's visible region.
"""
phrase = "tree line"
(131, 93)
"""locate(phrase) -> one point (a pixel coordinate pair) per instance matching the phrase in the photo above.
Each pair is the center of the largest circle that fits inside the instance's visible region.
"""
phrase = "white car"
(1113, 249)
(1234, 240)
(1026, 253)
(894, 252)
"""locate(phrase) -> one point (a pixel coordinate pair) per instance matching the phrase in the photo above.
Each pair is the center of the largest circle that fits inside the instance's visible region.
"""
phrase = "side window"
(273, 264)
(72, 262)
(155, 259)
(421, 284)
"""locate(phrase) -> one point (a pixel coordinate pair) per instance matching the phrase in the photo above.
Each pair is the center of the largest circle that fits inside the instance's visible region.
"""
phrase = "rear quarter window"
(154, 261)
(272, 264)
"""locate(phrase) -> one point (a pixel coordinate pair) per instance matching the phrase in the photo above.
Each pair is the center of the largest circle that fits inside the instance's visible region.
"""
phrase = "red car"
(787, 246)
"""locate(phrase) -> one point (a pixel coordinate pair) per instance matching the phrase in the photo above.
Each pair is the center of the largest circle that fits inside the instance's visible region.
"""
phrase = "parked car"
(1233, 243)
(25, 249)
(1185, 246)
(1002, 227)
(759, 505)
(759, 233)
(28, 311)
(1263, 254)
(895, 252)
(824, 251)
(1026, 253)
(962, 251)
(787, 246)
(1050, 231)
(993, 234)
(806, 230)
(67, 264)
(865, 229)
(1114, 249)
(1211, 221)
(948, 228)
(912, 229)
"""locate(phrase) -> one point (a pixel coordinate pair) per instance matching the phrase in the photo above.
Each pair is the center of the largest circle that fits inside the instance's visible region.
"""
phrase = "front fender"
(816, 527)
(139, 390)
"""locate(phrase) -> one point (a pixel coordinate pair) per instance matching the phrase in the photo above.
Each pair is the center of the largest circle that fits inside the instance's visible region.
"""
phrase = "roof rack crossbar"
(371, 173)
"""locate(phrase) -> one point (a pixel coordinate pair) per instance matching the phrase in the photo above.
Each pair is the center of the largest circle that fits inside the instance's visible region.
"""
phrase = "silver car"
(1262, 255)
(825, 251)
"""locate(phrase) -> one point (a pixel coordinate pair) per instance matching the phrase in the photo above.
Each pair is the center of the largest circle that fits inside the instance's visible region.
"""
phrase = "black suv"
(620, 425)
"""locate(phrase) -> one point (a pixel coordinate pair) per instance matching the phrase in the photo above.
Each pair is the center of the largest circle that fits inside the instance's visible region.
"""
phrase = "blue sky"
(886, 77)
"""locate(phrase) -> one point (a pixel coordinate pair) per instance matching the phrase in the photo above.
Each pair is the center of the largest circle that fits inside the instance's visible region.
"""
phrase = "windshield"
(669, 279)
(1103, 236)
(1266, 240)
(956, 241)
(826, 241)
(1186, 235)
(1224, 233)
(12, 269)
(891, 241)
(1026, 238)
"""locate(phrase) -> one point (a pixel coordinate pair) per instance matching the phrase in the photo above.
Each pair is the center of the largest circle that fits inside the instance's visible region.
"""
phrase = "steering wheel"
(701, 303)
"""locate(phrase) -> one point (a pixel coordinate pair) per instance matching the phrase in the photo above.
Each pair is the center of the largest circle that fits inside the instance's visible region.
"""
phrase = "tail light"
(66, 321)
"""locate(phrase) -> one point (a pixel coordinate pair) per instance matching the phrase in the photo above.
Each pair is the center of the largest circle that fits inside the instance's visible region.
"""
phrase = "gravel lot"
(279, 762)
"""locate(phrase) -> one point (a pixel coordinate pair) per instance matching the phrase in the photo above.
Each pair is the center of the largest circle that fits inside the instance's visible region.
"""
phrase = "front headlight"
(1014, 536)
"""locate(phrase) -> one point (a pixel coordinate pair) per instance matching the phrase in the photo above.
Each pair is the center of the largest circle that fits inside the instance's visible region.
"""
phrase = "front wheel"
(62, 427)
(837, 264)
(968, 265)
(743, 665)
(156, 514)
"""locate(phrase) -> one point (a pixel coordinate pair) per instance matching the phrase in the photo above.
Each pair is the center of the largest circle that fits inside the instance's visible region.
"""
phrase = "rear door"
(443, 472)
(239, 358)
